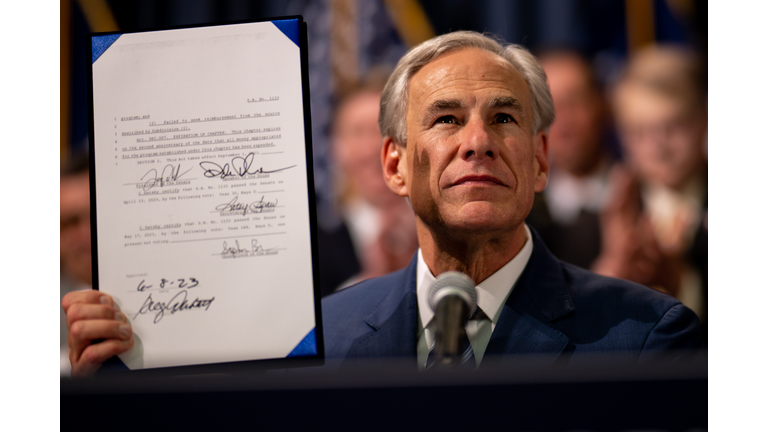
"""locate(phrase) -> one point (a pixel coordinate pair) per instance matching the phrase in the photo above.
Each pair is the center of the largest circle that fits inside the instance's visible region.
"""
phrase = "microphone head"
(453, 283)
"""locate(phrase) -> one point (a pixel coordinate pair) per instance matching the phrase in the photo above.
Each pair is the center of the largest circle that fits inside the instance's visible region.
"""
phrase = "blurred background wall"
(349, 37)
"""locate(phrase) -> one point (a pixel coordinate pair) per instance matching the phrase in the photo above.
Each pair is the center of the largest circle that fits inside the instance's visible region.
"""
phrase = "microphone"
(453, 298)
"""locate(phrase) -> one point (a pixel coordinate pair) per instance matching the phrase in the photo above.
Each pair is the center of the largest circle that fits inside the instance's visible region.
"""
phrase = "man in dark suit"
(465, 123)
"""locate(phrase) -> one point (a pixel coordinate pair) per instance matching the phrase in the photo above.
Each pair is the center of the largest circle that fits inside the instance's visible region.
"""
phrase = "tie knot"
(478, 315)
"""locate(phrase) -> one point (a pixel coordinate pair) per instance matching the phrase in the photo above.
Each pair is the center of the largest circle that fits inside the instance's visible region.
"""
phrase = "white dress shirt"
(566, 196)
(492, 293)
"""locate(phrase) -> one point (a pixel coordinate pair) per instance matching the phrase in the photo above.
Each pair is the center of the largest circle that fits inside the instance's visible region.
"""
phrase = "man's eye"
(447, 120)
(504, 118)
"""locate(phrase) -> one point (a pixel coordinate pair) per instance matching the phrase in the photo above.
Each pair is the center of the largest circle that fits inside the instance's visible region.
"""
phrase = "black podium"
(607, 393)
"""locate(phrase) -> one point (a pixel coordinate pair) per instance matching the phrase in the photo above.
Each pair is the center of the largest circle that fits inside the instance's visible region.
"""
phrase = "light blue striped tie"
(467, 360)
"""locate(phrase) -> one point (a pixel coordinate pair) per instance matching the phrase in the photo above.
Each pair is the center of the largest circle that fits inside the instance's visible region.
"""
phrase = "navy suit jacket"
(555, 310)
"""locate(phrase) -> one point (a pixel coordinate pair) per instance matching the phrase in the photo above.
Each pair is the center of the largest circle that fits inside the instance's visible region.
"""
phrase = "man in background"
(376, 233)
(566, 214)
(75, 241)
(656, 219)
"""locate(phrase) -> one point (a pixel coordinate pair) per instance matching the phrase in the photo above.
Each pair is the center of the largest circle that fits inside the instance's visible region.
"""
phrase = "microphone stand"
(449, 331)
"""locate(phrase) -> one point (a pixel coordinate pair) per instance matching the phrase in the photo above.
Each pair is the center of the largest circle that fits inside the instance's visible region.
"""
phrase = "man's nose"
(477, 142)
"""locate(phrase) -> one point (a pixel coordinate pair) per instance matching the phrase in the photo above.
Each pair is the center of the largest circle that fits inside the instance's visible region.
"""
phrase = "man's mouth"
(479, 180)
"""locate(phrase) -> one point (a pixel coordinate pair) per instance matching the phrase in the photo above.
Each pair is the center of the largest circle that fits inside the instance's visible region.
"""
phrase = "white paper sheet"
(201, 193)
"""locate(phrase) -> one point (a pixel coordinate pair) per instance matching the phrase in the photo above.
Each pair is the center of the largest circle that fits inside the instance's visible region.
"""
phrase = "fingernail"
(119, 316)
(104, 300)
(125, 330)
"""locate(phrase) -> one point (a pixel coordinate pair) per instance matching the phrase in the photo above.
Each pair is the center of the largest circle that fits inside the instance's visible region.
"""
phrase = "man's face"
(472, 163)
(663, 139)
(75, 242)
(575, 135)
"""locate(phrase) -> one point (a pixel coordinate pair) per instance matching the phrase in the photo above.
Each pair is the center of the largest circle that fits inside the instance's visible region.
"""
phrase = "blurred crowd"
(636, 210)
(639, 211)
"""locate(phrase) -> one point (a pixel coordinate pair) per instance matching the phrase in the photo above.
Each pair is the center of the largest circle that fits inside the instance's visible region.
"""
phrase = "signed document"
(202, 187)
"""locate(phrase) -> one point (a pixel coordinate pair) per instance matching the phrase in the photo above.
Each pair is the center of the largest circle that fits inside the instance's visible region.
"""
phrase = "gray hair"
(394, 98)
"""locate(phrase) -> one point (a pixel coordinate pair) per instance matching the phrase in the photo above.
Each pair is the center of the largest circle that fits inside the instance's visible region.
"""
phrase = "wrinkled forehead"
(468, 72)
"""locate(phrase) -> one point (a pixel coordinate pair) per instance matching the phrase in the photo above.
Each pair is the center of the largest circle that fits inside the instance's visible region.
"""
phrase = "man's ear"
(541, 162)
(393, 161)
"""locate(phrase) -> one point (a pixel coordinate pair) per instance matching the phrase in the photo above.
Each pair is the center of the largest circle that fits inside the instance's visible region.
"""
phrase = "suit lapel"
(393, 321)
(539, 297)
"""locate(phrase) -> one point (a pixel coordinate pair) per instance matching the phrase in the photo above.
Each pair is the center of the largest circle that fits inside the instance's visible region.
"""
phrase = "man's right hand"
(91, 315)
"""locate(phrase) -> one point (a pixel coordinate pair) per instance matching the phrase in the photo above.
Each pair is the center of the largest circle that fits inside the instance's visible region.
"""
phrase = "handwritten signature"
(176, 304)
(169, 174)
(255, 250)
(239, 167)
(241, 208)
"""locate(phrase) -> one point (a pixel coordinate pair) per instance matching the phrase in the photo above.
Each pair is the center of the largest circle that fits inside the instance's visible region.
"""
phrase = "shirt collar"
(492, 293)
